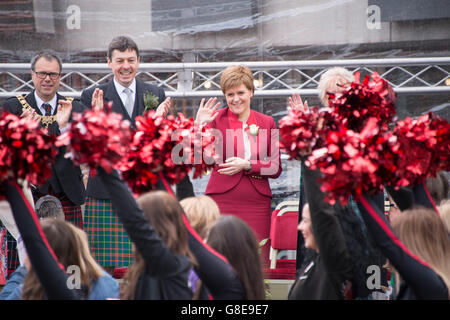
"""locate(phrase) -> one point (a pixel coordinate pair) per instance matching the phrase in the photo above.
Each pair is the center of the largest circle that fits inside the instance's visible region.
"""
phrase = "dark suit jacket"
(95, 187)
(265, 161)
(66, 177)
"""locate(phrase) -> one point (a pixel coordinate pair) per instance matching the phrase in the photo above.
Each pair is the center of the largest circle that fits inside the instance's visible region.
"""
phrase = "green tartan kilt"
(108, 241)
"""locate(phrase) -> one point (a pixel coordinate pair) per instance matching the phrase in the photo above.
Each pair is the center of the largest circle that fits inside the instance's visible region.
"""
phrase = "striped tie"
(47, 108)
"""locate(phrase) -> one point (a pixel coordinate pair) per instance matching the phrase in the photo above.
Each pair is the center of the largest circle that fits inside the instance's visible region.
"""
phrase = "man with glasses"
(54, 112)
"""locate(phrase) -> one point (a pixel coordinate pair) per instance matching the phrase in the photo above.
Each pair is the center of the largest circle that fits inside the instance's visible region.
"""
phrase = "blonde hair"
(201, 212)
(234, 76)
(444, 212)
(424, 234)
(332, 81)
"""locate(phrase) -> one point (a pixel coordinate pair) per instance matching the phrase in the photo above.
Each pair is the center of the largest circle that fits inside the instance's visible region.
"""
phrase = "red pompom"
(26, 151)
(373, 98)
(301, 132)
(424, 149)
(167, 145)
(355, 163)
(97, 138)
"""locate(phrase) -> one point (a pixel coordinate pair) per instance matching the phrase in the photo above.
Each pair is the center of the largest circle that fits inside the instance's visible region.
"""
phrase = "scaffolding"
(272, 78)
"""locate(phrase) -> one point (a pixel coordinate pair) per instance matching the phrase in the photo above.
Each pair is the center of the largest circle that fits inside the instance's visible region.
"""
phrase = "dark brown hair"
(165, 215)
(122, 43)
(234, 239)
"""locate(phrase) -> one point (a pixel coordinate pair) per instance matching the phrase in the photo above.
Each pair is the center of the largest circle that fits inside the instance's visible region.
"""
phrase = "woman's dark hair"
(234, 239)
(165, 215)
(122, 43)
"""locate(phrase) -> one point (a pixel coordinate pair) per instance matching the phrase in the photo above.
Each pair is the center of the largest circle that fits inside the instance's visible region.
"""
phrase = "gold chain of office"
(45, 120)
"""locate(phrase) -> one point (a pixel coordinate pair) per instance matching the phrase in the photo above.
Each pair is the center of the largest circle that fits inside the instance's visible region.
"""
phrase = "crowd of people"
(179, 246)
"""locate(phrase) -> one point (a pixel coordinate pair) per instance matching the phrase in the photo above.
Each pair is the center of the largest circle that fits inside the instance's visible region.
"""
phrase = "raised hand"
(207, 113)
(97, 99)
(163, 108)
(295, 102)
(63, 113)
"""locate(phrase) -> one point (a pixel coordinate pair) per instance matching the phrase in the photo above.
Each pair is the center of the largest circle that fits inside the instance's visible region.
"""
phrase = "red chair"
(283, 229)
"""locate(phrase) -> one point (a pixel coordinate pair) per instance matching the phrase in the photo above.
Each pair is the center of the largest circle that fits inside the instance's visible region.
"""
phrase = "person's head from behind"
(71, 248)
(438, 187)
(45, 73)
(49, 207)
(201, 212)
(237, 84)
(123, 59)
(425, 235)
(444, 213)
(334, 80)
(164, 213)
(305, 228)
(235, 240)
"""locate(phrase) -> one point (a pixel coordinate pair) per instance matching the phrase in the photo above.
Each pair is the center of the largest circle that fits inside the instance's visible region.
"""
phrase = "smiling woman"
(239, 184)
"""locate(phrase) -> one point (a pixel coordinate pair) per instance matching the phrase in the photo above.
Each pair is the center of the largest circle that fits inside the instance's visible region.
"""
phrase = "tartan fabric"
(108, 241)
(12, 257)
(3, 257)
(72, 212)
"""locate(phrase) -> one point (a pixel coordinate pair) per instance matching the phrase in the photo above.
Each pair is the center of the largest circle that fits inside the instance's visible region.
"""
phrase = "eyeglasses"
(43, 75)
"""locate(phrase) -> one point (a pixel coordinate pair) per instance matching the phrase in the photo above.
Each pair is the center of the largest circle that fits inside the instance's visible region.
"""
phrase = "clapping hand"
(295, 102)
(30, 114)
(163, 108)
(207, 113)
(63, 113)
(97, 99)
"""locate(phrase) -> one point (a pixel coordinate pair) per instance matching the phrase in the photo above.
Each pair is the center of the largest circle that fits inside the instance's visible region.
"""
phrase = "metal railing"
(274, 78)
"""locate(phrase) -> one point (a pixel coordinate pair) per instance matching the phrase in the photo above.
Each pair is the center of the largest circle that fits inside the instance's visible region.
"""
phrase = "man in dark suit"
(109, 243)
(54, 112)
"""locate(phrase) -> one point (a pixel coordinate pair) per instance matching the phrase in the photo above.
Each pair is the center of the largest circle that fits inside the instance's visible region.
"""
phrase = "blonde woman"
(417, 245)
(240, 182)
(201, 212)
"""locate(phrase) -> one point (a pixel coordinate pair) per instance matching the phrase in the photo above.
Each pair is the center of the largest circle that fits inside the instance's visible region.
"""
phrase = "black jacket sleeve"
(327, 229)
(423, 280)
(403, 197)
(51, 275)
(86, 98)
(213, 269)
(160, 260)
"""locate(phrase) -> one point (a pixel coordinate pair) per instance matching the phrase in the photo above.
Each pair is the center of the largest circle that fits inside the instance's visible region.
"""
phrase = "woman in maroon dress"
(250, 153)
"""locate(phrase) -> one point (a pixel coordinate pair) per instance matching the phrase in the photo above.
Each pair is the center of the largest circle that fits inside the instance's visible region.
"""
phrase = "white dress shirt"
(123, 95)
(40, 102)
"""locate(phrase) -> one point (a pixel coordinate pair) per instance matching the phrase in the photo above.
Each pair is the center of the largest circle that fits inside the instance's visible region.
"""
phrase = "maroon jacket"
(265, 153)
